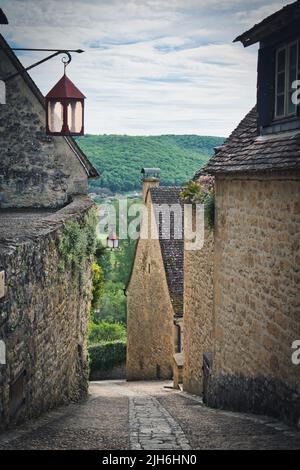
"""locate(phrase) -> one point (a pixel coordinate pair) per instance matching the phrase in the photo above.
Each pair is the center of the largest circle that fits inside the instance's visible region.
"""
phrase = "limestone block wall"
(43, 320)
(198, 312)
(36, 170)
(256, 294)
(150, 329)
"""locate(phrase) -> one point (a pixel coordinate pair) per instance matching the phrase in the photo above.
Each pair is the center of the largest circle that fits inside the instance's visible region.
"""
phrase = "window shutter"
(266, 86)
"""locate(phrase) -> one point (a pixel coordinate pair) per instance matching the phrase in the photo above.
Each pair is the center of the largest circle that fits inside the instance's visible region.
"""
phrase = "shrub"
(202, 192)
(106, 356)
(105, 331)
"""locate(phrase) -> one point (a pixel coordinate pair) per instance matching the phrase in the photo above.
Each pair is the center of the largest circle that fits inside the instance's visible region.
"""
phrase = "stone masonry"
(36, 170)
(256, 294)
(43, 315)
(198, 312)
(150, 327)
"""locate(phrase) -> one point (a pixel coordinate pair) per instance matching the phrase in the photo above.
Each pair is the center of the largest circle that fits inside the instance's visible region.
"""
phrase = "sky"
(150, 67)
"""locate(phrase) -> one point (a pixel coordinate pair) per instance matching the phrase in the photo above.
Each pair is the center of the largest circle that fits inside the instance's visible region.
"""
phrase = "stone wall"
(150, 329)
(36, 170)
(44, 315)
(256, 295)
(198, 312)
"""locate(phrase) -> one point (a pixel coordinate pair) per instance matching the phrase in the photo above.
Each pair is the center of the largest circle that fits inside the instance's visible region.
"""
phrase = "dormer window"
(287, 67)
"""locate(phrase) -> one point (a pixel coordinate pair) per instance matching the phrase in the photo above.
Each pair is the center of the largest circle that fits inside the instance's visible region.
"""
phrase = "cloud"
(151, 66)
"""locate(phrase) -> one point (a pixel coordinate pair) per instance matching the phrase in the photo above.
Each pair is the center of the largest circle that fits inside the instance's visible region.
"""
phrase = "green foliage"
(119, 158)
(113, 304)
(77, 244)
(202, 192)
(98, 285)
(105, 332)
(192, 193)
(116, 267)
(105, 356)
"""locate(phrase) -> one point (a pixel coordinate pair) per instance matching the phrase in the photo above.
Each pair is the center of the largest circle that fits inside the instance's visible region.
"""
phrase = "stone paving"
(152, 427)
(121, 415)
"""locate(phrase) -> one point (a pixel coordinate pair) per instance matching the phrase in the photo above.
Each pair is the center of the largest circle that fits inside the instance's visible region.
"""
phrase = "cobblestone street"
(150, 416)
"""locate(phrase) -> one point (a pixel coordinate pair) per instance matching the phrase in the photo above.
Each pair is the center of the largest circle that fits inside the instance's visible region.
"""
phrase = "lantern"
(112, 240)
(65, 109)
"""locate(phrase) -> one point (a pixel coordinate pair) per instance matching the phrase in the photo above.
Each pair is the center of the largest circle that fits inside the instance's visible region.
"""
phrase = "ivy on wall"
(77, 244)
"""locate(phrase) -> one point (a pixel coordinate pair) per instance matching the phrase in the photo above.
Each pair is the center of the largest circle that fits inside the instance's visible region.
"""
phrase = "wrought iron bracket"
(56, 52)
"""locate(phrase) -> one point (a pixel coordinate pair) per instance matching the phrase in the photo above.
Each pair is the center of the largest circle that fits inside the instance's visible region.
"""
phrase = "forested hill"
(120, 158)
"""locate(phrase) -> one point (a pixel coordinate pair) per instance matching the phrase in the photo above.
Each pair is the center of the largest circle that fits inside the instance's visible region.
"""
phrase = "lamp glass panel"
(55, 116)
(75, 117)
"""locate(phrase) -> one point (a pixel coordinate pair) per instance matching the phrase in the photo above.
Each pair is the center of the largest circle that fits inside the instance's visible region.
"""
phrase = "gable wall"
(150, 329)
(36, 170)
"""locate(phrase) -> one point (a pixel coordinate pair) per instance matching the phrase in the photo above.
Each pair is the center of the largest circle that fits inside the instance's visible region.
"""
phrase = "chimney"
(150, 178)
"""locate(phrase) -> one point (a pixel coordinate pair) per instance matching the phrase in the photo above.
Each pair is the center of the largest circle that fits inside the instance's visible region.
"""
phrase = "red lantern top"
(65, 109)
(65, 89)
(113, 236)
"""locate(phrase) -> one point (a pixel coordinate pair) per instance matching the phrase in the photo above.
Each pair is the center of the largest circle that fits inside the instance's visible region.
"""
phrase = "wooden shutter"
(266, 86)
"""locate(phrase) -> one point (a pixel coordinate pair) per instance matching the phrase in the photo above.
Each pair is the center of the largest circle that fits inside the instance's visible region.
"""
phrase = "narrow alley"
(151, 416)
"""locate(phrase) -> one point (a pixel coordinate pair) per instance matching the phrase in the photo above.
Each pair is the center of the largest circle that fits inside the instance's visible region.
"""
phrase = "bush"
(106, 356)
(202, 192)
(105, 332)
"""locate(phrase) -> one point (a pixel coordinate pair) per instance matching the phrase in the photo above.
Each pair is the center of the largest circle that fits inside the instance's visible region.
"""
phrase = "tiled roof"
(246, 151)
(172, 249)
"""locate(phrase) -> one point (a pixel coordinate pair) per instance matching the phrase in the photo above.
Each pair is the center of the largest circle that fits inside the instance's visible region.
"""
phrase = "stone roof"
(25, 226)
(88, 167)
(246, 151)
(172, 249)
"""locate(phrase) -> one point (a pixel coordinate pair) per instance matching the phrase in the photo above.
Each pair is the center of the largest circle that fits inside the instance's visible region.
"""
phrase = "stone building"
(36, 170)
(155, 289)
(198, 308)
(44, 294)
(242, 317)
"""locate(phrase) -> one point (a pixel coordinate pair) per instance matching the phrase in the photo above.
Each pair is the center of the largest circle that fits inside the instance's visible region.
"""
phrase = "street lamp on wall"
(65, 108)
(112, 241)
(64, 102)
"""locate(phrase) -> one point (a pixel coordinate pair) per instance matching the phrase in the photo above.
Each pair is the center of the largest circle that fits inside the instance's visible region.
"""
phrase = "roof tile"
(246, 151)
(172, 249)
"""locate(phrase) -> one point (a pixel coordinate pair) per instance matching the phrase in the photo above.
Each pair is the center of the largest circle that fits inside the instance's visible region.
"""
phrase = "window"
(287, 67)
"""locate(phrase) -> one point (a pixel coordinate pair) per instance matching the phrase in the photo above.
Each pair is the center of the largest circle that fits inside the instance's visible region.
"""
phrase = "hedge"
(106, 356)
